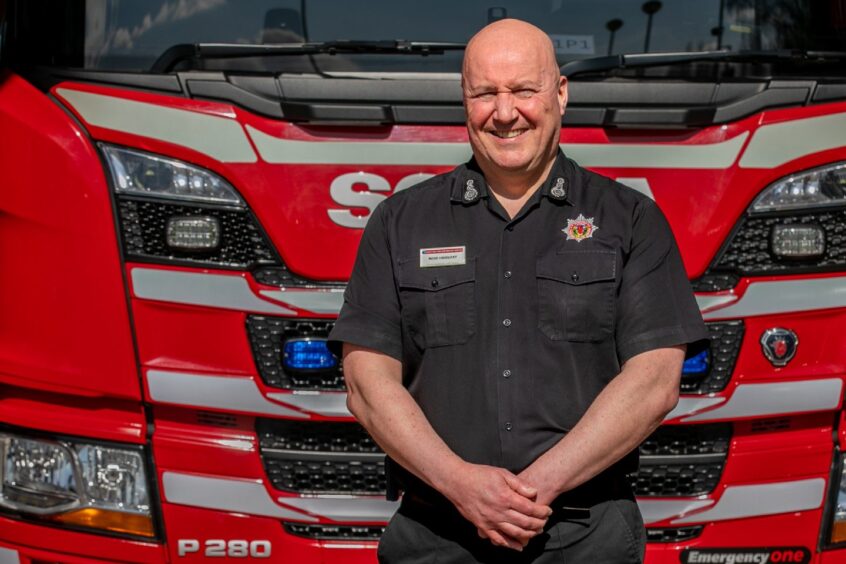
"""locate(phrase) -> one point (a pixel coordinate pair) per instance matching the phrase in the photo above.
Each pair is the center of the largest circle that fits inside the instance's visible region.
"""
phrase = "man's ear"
(562, 93)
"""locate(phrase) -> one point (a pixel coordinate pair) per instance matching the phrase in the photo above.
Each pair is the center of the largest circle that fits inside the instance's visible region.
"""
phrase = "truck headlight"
(837, 529)
(816, 188)
(76, 483)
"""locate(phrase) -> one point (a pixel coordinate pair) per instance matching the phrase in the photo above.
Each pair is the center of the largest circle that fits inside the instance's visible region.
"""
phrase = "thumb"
(520, 486)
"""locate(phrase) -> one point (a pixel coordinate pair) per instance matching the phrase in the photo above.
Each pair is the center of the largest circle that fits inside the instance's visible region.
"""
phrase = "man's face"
(514, 100)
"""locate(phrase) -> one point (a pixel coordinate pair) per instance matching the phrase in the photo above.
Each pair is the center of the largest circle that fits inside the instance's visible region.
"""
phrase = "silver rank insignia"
(470, 192)
(559, 192)
(580, 228)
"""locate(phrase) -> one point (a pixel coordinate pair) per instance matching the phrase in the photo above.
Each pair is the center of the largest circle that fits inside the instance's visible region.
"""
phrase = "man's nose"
(505, 111)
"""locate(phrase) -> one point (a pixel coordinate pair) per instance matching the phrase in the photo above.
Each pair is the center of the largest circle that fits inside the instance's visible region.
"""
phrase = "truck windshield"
(130, 35)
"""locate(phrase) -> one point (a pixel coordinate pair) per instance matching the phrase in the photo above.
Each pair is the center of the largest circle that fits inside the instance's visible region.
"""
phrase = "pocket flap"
(578, 267)
(435, 278)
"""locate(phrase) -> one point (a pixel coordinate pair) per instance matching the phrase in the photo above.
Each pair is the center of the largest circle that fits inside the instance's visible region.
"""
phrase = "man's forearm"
(630, 407)
(395, 421)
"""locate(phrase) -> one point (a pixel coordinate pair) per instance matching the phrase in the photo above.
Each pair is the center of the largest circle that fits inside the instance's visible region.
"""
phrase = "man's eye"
(486, 96)
(524, 93)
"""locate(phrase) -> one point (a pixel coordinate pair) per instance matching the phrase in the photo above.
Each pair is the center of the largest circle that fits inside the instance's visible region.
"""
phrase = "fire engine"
(183, 186)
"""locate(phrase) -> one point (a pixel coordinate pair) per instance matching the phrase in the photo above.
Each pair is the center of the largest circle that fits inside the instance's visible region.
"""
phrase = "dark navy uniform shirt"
(508, 329)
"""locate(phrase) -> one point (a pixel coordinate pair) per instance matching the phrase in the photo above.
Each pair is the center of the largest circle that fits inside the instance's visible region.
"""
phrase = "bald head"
(514, 96)
(510, 39)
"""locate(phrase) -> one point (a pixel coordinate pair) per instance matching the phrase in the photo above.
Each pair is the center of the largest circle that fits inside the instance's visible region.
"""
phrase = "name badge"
(442, 256)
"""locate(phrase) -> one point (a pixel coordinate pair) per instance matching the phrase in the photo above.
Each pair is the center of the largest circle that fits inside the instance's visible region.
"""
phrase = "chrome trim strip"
(231, 393)
(656, 510)
(687, 406)
(329, 404)
(667, 459)
(762, 499)
(321, 455)
(201, 289)
(226, 494)
(220, 138)
(776, 398)
(706, 301)
(345, 509)
(775, 144)
(609, 155)
(317, 301)
(763, 298)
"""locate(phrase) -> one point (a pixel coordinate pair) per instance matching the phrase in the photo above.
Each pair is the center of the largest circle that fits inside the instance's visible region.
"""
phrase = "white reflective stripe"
(609, 155)
(686, 406)
(706, 302)
(9, 556)
(356, 546)
(225, 494)
(220, 138)
(315, 300)
(200, 288)
(762, 499)
(776, 398)
(764, 298)
(346, 509)
(328, 404)
(775, 144)
(232, 393)
(655, 510)
(286, 151)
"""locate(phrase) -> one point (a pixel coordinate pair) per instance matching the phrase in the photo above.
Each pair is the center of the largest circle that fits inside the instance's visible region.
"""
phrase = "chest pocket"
(576, 295)
(438, 304)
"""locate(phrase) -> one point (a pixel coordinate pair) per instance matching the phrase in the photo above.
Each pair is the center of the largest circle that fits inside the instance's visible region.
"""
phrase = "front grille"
(281, 276)
(714, 282)
(674, 534)
(749, 250)
(670, 480)
(340, 457)
(321, 457)
(682, 460)
(726, 338)
(687, 440)
(267, 336)
(144, 224)
(336, 532)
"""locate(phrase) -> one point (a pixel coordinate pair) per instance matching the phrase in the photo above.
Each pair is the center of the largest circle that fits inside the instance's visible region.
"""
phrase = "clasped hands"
(504, 508)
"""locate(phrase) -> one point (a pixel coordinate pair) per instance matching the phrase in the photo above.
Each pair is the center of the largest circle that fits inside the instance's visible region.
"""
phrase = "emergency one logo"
(580, 228)
(779, 345)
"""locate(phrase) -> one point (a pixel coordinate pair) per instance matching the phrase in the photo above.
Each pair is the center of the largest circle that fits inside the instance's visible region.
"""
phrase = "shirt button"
(435, 283)
(508, 274)
(506, 373)
(506, 322)
(575, 277)
(508, 426)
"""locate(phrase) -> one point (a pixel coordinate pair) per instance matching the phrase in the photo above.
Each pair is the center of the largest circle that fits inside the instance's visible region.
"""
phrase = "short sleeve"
(656, 307)
(370, 316)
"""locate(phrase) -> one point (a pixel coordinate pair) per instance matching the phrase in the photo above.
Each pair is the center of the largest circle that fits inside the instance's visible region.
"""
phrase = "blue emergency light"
(696, 365)
(308, 354)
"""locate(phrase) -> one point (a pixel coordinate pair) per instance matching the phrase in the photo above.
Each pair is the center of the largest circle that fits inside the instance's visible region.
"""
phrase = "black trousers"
(611, 532)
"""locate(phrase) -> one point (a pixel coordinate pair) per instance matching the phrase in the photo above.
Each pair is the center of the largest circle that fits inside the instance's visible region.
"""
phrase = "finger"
(512, 532)
(530, 508)
(524, 521)
(520, 486)
(500, 539)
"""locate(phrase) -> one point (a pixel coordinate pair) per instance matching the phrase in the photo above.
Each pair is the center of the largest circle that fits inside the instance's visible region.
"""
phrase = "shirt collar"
(469, 186)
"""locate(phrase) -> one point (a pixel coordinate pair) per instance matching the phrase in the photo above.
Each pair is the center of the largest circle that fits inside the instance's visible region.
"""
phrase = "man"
(512, 331)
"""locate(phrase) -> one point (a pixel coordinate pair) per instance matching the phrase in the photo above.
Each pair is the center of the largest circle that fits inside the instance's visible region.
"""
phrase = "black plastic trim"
(44, 78)
(228, 92)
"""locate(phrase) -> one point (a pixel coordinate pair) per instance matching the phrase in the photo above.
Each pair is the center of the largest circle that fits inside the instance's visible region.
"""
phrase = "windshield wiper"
(635, 60)
(188, 51)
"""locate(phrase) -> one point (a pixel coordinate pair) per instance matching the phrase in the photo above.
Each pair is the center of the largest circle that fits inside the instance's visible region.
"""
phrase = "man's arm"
(499, 504)
(630, 407)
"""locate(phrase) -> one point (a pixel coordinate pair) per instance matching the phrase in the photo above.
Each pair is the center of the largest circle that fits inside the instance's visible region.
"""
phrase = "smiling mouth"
(507, 133)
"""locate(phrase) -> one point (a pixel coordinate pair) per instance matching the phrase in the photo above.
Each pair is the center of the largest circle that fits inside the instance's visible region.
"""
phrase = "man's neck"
(513, 190)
